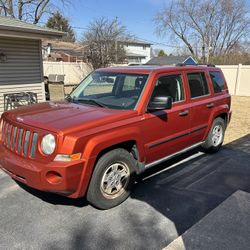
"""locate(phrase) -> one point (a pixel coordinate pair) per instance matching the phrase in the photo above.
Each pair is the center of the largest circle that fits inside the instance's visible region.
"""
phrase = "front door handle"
(210, 105)
(184, 113)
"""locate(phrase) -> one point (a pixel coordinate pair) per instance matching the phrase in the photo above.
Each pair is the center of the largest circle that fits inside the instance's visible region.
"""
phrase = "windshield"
(110, 89)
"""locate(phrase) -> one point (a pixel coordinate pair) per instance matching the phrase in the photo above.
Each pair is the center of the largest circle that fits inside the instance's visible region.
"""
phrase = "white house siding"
(22, 70)
(140, 49)
(17, 88)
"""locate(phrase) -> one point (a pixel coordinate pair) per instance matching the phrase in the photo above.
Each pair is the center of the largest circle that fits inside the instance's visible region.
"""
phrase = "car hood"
(66, 117)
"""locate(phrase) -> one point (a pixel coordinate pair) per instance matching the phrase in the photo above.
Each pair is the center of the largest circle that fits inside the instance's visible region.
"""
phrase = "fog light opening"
(53, 177)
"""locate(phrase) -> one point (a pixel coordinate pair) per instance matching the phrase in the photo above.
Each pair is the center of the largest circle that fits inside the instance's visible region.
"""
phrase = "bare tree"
(104, 40)
(29, 10)
(208, 28)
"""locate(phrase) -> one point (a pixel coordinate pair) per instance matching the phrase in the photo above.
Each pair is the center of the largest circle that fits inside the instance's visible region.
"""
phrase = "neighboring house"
(171, 60)
(21, 68)
(138, 52)
(54, 50)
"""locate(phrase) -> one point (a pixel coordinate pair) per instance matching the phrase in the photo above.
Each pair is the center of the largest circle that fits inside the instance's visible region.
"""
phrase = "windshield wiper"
(92, 101)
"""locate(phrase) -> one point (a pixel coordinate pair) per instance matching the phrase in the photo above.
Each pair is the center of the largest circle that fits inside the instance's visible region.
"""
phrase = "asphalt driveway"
(163, 206)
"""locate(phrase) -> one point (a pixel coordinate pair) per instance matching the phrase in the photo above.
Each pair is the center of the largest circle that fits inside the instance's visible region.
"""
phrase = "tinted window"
(170, 86)
(217, 80)
(197, 84)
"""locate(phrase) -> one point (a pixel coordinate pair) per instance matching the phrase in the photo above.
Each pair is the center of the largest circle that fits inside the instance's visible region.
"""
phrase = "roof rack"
(183, 64)
(208, 65)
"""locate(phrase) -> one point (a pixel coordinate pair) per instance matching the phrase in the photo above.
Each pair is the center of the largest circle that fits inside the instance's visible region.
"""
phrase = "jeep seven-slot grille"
(19, 140)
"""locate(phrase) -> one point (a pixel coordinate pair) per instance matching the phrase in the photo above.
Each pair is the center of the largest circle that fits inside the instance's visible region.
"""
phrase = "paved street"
(163, 206)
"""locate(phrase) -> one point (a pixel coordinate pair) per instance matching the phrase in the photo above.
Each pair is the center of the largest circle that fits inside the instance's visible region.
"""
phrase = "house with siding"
(21, 67)
(61, 51)
(137, 51)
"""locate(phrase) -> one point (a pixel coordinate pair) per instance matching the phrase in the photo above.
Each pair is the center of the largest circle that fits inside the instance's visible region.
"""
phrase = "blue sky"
(136, 15)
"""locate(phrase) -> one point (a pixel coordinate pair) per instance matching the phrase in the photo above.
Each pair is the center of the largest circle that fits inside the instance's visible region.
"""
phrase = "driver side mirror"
(160, 103)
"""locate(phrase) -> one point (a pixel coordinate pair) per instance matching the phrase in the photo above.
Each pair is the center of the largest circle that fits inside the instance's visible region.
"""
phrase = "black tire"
(209, 146)
(97, 194)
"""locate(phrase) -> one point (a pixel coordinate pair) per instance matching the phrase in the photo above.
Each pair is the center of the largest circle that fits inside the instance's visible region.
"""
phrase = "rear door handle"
(184, 113)
(210, 105)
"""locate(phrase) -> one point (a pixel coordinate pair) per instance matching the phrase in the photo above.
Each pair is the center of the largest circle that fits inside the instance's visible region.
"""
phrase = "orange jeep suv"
(117, 123)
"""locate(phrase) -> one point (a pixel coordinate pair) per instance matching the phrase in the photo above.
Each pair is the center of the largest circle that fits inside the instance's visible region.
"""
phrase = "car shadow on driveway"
(166, 203)
(193, 188)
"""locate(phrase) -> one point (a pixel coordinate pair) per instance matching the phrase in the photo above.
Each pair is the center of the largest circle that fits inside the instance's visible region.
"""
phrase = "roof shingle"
(168, 60)
(12, 24)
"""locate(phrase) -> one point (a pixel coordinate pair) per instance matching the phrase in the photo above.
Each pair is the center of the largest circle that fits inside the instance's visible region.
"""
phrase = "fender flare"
(103, 141)
(100, 142)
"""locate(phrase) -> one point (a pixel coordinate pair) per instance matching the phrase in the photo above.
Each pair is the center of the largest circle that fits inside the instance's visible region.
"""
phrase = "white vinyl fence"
(73, 72)
(237, 76)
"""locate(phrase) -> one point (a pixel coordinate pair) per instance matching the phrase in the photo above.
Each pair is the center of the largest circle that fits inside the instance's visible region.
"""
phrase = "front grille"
(19, 140)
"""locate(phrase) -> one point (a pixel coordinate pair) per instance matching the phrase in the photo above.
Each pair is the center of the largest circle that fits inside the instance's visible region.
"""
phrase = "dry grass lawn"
(240, 122)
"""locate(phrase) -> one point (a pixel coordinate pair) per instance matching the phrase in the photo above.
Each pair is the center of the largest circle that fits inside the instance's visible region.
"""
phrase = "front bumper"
(38, 175)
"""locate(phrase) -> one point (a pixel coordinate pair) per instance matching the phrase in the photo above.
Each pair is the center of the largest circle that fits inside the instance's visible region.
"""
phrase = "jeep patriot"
(115, 124)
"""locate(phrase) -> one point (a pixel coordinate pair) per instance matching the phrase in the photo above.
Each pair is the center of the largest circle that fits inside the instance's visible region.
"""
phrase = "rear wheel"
(215, 137)
(112, 179)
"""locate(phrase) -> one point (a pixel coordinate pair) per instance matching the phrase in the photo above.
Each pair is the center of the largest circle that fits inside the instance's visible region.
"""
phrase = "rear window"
(217, 80)
(197, 84)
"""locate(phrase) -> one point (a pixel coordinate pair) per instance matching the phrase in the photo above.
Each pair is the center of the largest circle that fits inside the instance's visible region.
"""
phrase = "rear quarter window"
(217, 81)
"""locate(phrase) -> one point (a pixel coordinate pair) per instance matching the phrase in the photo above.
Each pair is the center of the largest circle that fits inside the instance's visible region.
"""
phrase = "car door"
(166, 131)
(201, 104)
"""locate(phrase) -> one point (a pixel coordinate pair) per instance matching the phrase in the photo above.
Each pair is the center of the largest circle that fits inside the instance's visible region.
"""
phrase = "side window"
(197, 84)
(217, 80)
(170, 85)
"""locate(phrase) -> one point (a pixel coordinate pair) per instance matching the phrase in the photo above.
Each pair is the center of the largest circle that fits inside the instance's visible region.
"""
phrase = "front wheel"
(215, 137)
(112, 179)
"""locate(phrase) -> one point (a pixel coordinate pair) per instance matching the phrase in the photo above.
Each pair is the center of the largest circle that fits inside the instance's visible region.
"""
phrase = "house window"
(144, 47)
(134, 60)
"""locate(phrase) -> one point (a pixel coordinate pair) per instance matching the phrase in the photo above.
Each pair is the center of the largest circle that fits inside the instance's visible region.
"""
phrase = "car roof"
(147, 69)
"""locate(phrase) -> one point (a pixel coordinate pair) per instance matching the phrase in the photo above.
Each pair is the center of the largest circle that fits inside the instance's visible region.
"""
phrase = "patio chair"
(15, 100)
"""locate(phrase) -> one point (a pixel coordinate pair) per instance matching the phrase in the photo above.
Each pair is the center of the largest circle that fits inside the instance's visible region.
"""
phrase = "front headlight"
(48, 144)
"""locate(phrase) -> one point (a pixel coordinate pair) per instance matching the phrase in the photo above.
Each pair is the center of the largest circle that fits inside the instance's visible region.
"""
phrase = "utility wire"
(139, 38)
